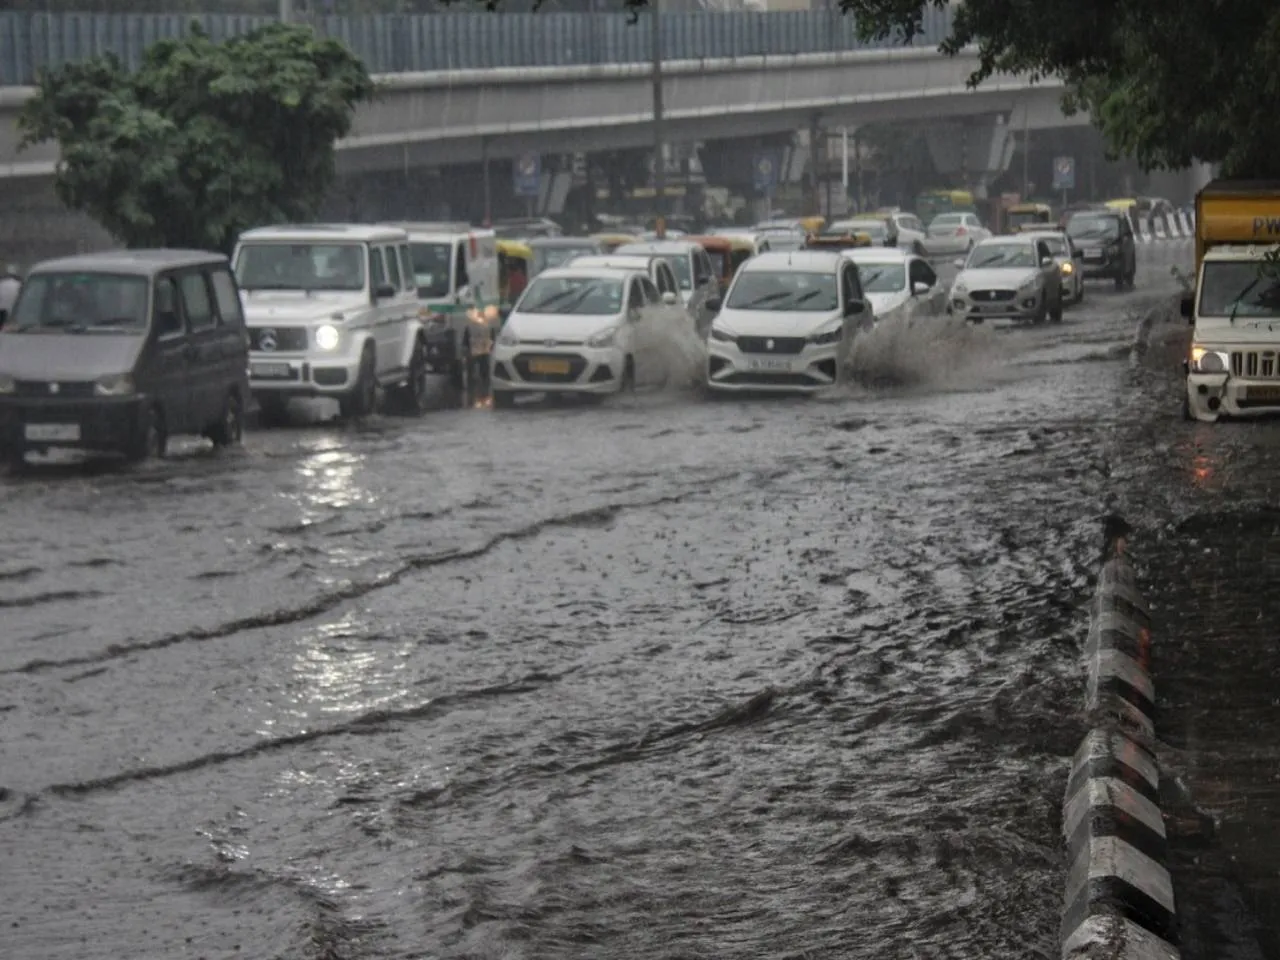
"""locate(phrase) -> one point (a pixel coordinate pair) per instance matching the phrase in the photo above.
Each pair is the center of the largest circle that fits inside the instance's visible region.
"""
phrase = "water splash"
(923, 350)
(667, 342)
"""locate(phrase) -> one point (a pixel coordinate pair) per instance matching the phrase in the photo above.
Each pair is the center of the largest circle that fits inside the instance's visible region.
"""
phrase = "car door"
(384, 311)
(703, 282)
(233, 337)
(168, 380)
(404, 309)
(204, 348)
(932, 301)
(638, 326)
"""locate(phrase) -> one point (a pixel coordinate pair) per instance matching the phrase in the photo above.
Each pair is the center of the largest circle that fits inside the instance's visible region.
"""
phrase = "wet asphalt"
(660, 678)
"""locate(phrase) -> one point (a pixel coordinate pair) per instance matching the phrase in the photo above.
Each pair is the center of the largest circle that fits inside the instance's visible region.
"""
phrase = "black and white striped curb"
(1119, 899)
(1174, 228)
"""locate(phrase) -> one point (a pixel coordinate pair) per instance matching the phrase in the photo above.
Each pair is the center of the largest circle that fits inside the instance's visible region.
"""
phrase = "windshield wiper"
(807, 296)
(1239, 297)
(868, 280)
(767, 298)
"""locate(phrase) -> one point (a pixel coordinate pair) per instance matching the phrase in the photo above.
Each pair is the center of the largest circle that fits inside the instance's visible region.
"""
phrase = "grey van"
(118, 351)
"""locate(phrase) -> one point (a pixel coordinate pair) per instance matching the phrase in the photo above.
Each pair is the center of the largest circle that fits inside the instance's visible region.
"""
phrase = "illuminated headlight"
(328, 337)
(1068, 269)
(1208, 361)
(604, 339)
(7, 384)
(827, 336)
(722, 335)
(508, 338)
(116, 385)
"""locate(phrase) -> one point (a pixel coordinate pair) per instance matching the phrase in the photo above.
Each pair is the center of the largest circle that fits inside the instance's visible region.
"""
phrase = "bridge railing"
(30, 42)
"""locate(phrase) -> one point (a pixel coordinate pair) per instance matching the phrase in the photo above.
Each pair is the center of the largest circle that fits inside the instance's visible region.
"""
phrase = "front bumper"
(729, 368)
(1108, 268)
(311, 374)
(1023, 306)
(568, 369)
(99, 423)
(1211, 396)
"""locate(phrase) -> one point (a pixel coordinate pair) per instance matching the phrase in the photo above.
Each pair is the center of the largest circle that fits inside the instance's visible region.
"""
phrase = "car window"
(635, 296)
(784, 290)
(376, 269)
(460, 270)
(921, 272)
(406, 266)
(1000, 255)
(1042, 250)
(196, 301)
(393, 267)
(650, 291)
(224, 293)
(852, 288)
(165, 308)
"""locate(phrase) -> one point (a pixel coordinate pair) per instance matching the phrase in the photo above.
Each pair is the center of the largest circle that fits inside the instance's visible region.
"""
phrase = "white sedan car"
(899, 286)
(952, 233)
(575, 330)
(787, 323)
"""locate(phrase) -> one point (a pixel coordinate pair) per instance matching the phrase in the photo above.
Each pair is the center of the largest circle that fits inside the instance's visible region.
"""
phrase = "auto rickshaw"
(612, 241)
(813, 224)
(514, 259)
(1022, 217)
(740, 251)
(849, 241)
(720, 252)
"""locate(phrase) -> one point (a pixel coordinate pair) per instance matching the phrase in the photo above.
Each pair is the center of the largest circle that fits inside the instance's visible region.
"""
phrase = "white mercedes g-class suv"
(332, 311)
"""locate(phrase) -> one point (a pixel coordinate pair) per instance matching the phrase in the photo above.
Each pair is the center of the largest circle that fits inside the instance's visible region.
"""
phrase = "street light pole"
(659, 138)
(286, 11)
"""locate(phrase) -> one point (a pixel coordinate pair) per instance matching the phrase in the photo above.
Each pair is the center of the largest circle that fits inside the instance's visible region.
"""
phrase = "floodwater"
(658, 678)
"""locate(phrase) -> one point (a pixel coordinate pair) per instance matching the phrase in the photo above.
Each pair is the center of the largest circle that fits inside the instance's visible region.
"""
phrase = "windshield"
(587, 296)
(1087, 228)
(1018, 220)
(1250, 288)
(81, 303)
(301, 266)
(1000, 255)
(947, 221)
(883, 277)
(544, 258)
(757, 290)
(875, 229)
(431, 265)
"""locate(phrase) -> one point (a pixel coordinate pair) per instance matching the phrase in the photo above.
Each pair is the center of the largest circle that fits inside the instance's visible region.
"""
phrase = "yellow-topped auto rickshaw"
(612, 241)
(515, 262)
(1022, 217)
(813, 224)
(720, 253)
(740, 251)
(848, 241)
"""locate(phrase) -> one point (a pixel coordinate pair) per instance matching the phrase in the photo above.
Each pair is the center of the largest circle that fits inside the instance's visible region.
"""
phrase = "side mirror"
(854, 307)
(1186, 307)
(384, 291)
(670, 299)
(958, 263)
(1046, 261)
(714, 304)
(920, 288)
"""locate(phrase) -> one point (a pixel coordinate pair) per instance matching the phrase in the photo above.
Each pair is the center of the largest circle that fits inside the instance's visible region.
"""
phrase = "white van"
(455, 270)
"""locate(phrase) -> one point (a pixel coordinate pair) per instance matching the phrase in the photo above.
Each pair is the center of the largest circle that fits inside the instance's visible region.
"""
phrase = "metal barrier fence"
(30, 42)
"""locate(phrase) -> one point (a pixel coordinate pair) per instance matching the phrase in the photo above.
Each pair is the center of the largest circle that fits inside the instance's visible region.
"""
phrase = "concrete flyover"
(460, 116)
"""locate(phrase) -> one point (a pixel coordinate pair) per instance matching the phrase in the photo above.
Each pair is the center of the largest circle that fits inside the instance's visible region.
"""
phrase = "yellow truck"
(1233, 368)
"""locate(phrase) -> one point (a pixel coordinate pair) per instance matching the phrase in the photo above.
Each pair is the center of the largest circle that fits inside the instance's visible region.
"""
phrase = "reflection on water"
(329, 477)
(1204, 468)
(336, 670)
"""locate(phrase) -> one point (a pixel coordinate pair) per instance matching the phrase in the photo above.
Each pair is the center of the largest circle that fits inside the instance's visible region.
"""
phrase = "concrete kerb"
(1119, 902)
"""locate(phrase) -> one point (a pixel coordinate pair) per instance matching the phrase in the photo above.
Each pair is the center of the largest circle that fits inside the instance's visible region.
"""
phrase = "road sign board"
(527, 175)
(765, 172)
(1064, 173)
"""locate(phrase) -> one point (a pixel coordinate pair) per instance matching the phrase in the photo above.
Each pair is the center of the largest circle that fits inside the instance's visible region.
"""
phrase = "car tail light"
(961, 231)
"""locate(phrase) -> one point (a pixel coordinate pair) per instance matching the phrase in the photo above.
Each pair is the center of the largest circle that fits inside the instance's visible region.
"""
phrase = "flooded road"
(661, 678)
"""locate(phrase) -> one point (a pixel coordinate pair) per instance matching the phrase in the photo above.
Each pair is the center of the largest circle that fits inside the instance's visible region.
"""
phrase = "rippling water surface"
(659, 678)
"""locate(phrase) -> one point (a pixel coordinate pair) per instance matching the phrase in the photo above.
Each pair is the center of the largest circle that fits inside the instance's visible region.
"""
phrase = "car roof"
(142, 263)
(615, 273)
(617, 261)
(876, 255)
(1042, 234)
(562, 242)
(360, 232)
(799, 261)
(658, 246)
(1002, 238)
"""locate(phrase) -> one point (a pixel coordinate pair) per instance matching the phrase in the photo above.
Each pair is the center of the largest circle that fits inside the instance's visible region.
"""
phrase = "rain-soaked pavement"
(661, 678)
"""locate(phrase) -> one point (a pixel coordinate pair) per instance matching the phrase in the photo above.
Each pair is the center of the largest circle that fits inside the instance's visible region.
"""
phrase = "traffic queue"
(119, 351)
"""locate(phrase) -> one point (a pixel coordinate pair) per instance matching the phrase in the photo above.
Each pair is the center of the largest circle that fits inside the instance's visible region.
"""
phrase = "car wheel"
(1055, 313)
(273, 411)
(1121, 281)
(503, 399)
(1080, 293)
(363, 399)
(150, 440)
(229, 429)
(1042, 311)
(628, 382)
(411, 396)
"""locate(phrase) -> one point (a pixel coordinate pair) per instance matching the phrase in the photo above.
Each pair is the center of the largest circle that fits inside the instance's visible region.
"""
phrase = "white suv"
(331, 311)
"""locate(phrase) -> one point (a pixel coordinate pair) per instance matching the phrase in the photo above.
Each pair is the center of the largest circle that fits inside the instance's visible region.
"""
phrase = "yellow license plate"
(549, 366)
(1263, 394)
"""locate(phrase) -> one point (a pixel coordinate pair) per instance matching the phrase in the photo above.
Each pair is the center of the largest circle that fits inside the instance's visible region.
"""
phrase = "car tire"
(410, 398)
(918, 249)
(363, 398)
(273, 411)
(503, 399)
(1186, 408)
(1055, 313)
(1122, 281)
(229, 430)
(1080, 293)
(150, 438)
(1042, 311)
(628, 382)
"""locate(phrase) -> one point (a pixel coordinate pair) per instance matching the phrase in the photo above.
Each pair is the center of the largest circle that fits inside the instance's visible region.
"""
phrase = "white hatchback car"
(787, 324)
(575, 330)
(898, 285)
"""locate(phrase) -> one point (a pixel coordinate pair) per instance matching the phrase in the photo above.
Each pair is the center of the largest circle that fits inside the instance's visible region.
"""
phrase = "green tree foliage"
(205, 139)
(1167, 83)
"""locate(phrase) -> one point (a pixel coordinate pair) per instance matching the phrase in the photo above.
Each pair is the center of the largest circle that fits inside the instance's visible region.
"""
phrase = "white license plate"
(770, 365)
(270, 371)
(53, 431)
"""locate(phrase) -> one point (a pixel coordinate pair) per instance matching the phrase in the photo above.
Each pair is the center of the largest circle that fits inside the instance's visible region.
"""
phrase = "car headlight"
(832, 335)
(7, 384)
(959, 288)
(722, 335)
(1068, 269)
(1204, 360)
(114, 385)
(604, 339)
(1029, 284)
(328, 337)
(508, 338)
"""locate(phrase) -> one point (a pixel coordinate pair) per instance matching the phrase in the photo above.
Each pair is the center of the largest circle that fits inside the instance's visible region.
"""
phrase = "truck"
(1233, 366)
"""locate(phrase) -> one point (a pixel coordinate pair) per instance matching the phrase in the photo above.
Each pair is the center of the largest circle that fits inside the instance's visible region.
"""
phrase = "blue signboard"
(765, 172)
(527, 179)
(1064, 173)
